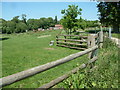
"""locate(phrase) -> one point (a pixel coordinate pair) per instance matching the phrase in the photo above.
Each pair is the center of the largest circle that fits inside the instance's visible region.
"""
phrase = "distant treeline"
(17, 25)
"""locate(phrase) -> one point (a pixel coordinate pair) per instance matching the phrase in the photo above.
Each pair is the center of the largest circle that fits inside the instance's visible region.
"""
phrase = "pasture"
(26, 50)
(23, 51)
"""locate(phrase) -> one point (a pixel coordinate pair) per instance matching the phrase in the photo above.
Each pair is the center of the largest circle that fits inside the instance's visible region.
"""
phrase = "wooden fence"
(27, 73)
(72, 41)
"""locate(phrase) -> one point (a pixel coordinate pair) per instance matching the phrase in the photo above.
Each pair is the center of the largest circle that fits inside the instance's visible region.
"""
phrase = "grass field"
(117, 35)
(23, 51)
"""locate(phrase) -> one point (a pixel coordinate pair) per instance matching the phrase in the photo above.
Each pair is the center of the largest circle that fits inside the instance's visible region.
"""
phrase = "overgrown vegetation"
(105, 75)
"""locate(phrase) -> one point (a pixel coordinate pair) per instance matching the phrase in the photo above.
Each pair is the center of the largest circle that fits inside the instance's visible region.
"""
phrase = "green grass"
(117, 35)
(24, 51)
(104, 76)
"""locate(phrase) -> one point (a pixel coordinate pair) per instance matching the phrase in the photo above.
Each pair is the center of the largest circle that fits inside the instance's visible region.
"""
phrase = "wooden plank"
(24, 74)
(71, 40)
(96, 35)
(61, 78)
(75, 35)
(72, 43)
(71, 47)
(101, 39)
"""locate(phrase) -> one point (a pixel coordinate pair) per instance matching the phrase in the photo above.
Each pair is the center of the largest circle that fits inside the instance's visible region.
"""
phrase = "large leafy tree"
(4, 25)
(69, 19)
(21, 27)
(44, 23)
(50, 22)
(11, 25)
(33, 24)
(110, 14)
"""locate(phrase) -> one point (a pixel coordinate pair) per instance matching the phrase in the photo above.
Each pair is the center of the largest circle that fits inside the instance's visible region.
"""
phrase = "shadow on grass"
(3, 39)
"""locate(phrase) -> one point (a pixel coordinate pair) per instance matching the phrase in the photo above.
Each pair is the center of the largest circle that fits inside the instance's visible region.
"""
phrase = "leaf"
(93, 83)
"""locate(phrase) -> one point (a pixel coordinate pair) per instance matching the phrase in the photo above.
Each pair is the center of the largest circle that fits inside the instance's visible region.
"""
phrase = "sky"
(37, 10)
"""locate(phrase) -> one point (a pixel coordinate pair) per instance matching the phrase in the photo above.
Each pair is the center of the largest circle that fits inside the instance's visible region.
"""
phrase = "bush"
(104, 76)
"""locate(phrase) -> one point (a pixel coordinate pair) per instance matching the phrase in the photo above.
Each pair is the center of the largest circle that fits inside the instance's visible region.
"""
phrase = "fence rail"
(75, 35)
(21, 75)
(78, 48)
(61, 78)
(71, 40)
(72, 43)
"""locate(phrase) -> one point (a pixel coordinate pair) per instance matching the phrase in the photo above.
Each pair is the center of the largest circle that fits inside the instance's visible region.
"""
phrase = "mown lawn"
(23, 51)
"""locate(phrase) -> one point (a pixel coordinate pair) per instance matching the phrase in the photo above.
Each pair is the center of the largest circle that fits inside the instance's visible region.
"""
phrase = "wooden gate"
(72, 41)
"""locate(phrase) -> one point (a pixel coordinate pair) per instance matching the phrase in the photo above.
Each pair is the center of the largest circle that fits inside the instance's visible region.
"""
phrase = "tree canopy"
(69, 19)
(110, 14)
(17, 25)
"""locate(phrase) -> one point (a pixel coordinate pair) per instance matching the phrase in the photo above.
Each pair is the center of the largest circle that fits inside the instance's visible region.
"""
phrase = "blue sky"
(46, 9)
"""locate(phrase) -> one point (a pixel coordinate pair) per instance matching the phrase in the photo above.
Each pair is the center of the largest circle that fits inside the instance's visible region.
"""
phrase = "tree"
(69, 19)
(15, 19)
(11, 25)
(110, 14)
(81, 23)
(50, 22)
(24, 18)
(33, 24)
(44, 23)
(21, 27)
(4, 25)
(56, 21)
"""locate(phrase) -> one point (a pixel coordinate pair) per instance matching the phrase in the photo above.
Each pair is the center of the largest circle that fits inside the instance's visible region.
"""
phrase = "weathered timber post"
(109, 33)
(101, 39)
(91, 43)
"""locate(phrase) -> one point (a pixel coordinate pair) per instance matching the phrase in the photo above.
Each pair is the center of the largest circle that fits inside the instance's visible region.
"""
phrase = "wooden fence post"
(109, 33)
(101, 39)
(91, 43)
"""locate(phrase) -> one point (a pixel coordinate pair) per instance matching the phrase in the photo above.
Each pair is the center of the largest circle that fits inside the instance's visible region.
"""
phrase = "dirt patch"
(43, 36)
(49, 48)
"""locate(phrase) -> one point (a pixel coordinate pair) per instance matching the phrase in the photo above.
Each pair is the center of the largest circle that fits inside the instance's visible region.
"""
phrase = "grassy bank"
(104, 76)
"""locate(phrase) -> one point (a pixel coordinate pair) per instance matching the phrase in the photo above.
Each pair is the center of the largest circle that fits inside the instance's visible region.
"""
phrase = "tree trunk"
(116, 28)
